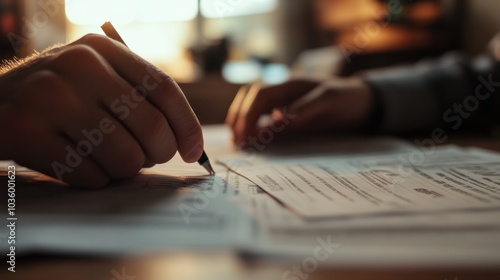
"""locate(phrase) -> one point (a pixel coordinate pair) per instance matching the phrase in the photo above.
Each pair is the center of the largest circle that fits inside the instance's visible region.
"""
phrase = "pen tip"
(209, 168)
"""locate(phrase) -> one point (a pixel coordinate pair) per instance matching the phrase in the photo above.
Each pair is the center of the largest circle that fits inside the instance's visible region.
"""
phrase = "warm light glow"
(391, 39)
(88, 12)
(342, 14)
(91, 12)
(167, 10)
(232, 8)
(162, 44)
(162, 31)
(424, 12)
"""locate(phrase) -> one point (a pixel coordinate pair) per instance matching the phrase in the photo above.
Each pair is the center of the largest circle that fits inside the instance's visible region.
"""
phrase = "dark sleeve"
(450, 93)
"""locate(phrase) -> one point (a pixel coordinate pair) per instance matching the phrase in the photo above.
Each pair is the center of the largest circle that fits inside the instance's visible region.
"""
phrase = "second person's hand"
(302, 106)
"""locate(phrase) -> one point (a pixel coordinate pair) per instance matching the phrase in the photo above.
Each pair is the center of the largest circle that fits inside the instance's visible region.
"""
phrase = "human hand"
(301, 107)
(494, 47)
(93, 111)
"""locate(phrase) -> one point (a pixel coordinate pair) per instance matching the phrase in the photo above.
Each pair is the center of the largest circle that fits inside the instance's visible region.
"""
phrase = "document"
(391, 239)
(446, 179)
(151, 212)
(176, 206)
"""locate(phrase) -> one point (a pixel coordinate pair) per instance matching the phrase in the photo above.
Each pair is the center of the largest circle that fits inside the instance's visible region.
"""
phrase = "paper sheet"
(400, 239)
(447, 179)
(142, 215)
(151, 212)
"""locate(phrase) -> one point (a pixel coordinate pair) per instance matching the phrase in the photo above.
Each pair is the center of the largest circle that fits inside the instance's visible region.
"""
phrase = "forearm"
(436, 94)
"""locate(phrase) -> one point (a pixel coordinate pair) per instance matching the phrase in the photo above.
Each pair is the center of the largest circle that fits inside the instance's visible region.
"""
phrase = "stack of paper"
(375, 202)
(394, 208)
(446, 179)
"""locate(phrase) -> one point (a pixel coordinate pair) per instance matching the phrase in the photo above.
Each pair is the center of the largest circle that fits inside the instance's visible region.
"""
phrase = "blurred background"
(211, 47)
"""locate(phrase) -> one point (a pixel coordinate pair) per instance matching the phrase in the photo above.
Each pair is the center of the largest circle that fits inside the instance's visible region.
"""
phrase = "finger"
(260, 102)
(310, 119)
(144, 121)
(54, 156)
(39, 143)
(163, 92)
(303, 104)
(236, 105)
(148, 164)
(251, 105)
(336, 107)
(147, 125)
(102, 137)
(314, 112)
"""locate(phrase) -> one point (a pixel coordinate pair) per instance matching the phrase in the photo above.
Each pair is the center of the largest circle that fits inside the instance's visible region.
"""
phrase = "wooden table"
(182, 265)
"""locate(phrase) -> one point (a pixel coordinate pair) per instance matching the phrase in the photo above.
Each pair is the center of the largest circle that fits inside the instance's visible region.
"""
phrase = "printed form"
(446, 179)
(152, 211)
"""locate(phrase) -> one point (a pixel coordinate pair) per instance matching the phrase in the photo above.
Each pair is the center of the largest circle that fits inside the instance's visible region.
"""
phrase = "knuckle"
(43, 87)
(93, 39)
(173, 94)
(47, 89)
(169, 151)
(45, 80)
(132, 164)
(193, 132)
(159, 132)
(174, 97)
(82, 56)
(175, 102)
(157, 125)
(166, 78)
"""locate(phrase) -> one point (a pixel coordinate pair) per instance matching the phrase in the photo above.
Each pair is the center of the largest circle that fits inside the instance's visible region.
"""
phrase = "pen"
(112, 33)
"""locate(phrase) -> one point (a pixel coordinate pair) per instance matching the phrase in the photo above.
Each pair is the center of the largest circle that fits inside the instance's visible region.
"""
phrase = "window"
(163, 31)
(91, 12)
(232, 8)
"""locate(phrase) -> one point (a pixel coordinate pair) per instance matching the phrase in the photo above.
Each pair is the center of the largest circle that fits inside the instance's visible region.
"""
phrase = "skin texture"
(301, 106)
(47, 103)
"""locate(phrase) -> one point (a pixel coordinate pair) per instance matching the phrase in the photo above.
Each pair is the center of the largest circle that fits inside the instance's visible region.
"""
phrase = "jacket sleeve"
(449, 93)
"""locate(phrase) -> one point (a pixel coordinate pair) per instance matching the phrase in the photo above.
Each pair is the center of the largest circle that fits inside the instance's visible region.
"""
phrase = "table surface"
(229, 265)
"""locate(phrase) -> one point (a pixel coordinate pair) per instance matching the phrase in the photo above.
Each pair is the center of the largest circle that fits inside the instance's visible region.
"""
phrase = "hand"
(93, 111)
(494, 47)
(301, 107)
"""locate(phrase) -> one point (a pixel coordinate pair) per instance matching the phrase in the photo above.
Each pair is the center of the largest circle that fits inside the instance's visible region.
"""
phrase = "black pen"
(111, 32)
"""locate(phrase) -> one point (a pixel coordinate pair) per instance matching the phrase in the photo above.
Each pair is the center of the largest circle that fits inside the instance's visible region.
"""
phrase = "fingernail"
(195, 154)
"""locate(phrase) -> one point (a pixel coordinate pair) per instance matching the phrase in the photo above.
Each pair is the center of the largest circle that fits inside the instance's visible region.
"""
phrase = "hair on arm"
(14, 63)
